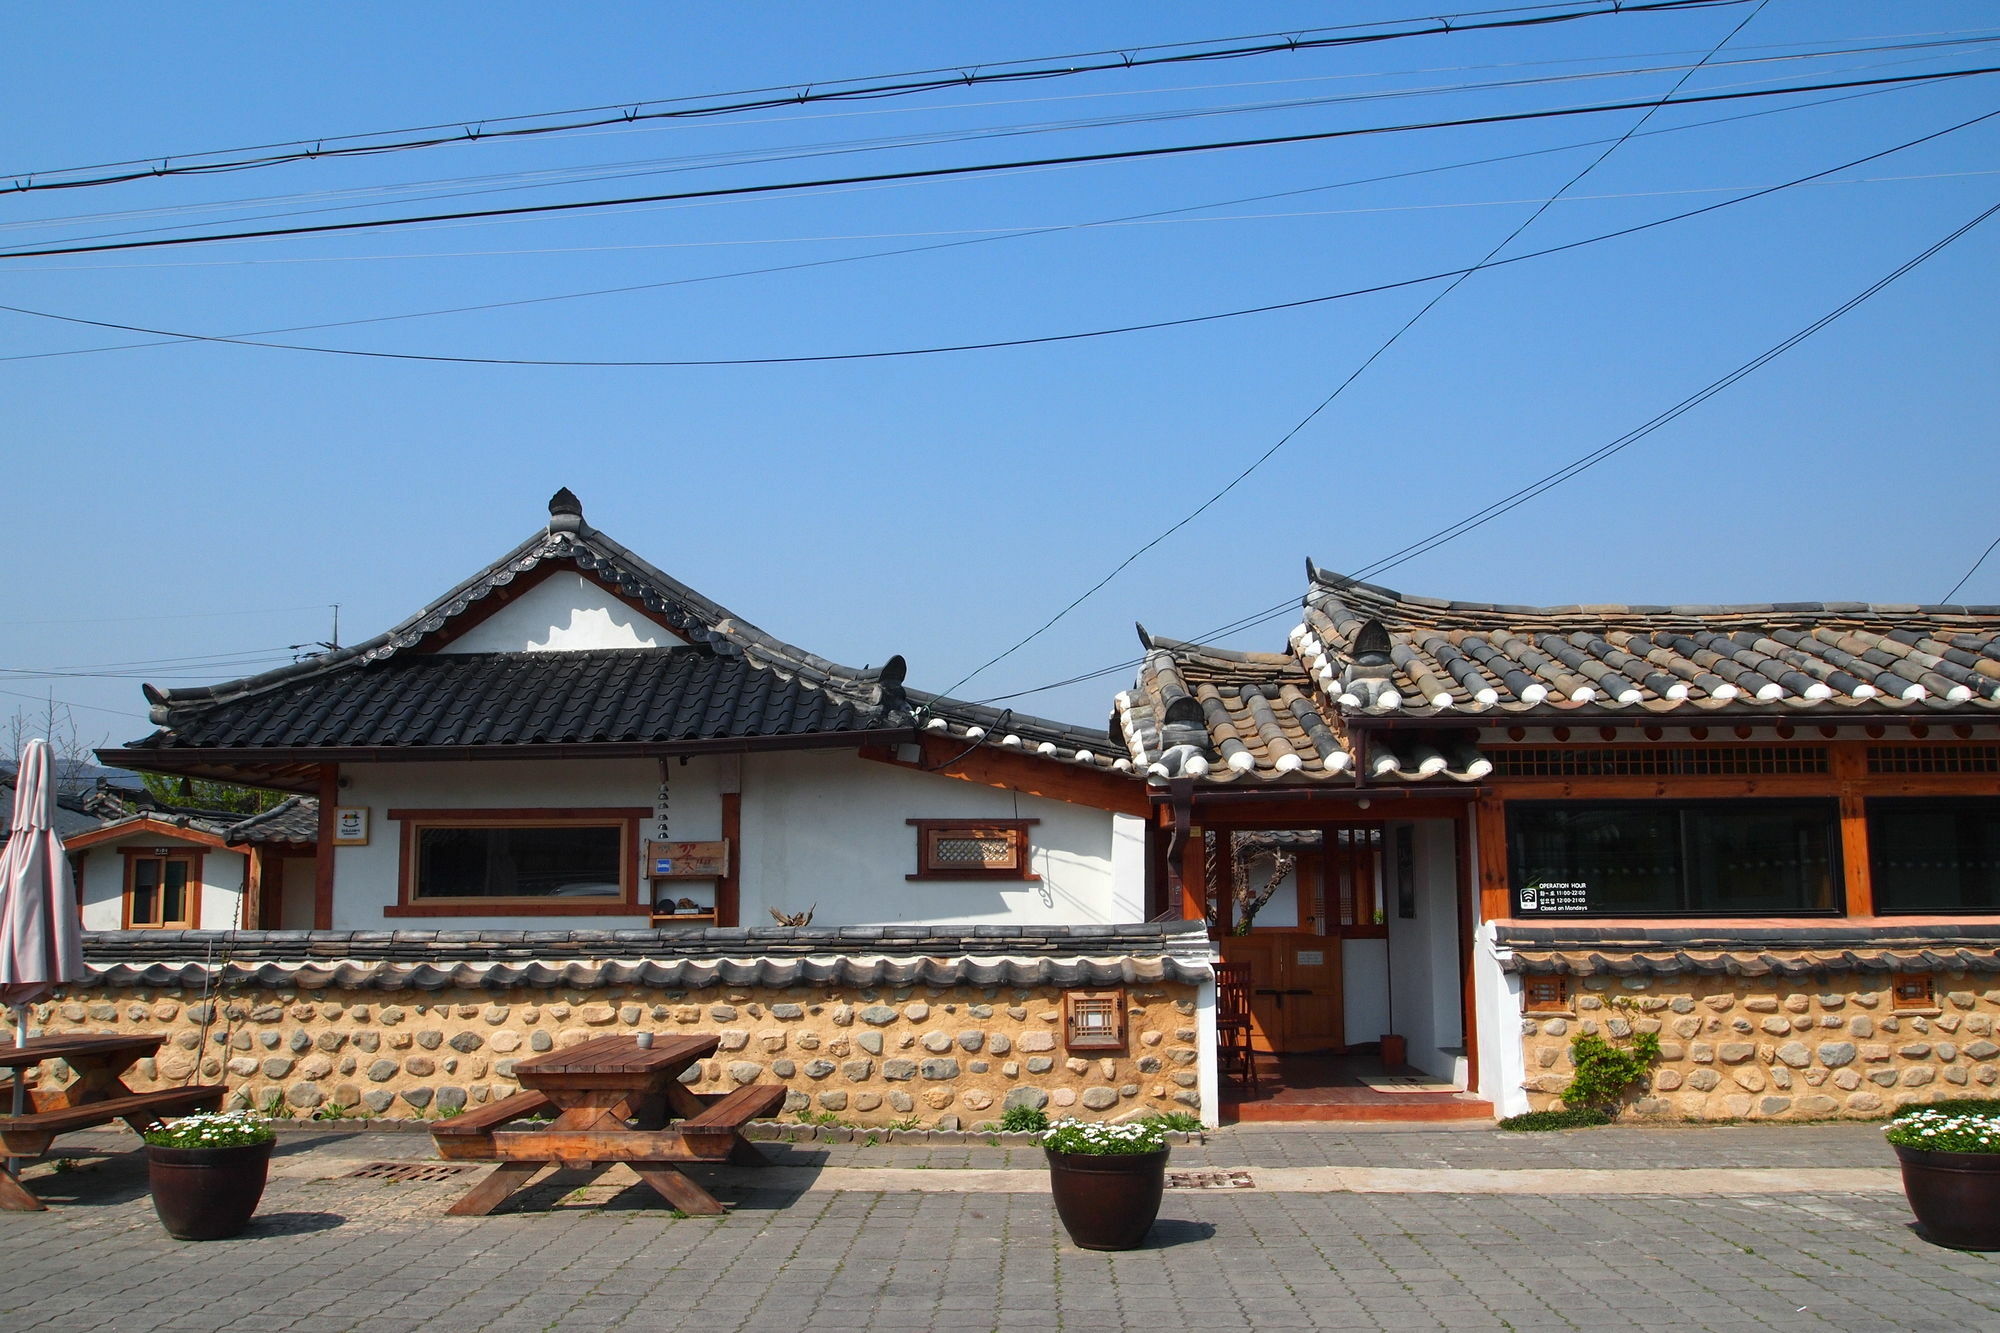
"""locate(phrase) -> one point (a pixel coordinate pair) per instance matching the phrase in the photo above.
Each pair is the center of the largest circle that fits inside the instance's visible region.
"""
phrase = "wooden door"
(1295, 989)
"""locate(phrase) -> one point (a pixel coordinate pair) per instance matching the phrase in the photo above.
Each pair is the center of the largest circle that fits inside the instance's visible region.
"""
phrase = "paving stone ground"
(330, 1252)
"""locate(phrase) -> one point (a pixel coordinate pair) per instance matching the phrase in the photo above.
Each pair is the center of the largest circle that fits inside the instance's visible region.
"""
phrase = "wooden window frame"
(1557, 1003)
(1078, 1037)
(1913, 1003)
(192, 855)
(930, 830)
(626, 819)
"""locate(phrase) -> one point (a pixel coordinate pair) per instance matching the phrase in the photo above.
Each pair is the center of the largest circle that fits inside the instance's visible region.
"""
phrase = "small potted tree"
(1950, 1154)
(1107, 1180)
(208, 1172)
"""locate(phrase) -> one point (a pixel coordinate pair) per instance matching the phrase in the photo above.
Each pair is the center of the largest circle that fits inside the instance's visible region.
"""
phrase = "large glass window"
(1934, 855)
(521, 861)
(1672, 858)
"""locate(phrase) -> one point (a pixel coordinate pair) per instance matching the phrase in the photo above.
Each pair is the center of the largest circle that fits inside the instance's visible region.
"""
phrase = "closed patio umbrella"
(41, 939)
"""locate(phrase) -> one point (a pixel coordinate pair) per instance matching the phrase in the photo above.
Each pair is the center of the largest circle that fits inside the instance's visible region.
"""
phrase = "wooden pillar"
(1194, 877)
(1466, 888)
(1180, 803)
(250, 912)
(729, 888)
(1850, 770)
(1489, 825)
(329, 796)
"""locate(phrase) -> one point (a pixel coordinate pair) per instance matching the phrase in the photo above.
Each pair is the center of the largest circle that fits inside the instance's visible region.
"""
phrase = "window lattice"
(988, 851)
(1663, 761)
(1934, 759)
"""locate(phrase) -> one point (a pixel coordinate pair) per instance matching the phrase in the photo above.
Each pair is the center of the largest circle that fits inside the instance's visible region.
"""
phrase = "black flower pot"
(207, 1193)
(1107, 1201)
(1955, 1195)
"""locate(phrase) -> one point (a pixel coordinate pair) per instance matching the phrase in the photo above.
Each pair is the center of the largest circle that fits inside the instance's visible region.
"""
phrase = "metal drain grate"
(1210, 1180)
(408, 1172)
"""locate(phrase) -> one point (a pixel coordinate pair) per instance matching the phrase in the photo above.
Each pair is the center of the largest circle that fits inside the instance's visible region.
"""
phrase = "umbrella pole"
(20, 1080)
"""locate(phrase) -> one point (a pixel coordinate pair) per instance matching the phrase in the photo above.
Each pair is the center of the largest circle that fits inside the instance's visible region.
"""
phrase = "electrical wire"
(1946, 599)
(1381, 350)
(987, 168)
(1009, 343)
(626, 114)
(923, 249)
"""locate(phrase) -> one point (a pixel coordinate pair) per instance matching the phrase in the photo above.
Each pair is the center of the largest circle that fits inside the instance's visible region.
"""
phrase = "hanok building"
(1770, 833)
(573, 795)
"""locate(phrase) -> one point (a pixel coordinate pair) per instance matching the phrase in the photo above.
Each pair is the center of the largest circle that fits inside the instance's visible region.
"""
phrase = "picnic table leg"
(14, 1197)
(489, 1193)
(745, 1153)
(677, 1189)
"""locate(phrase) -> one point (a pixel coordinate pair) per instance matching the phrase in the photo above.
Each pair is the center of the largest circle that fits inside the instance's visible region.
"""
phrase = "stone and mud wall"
(946, 1057)
(1776, 1048)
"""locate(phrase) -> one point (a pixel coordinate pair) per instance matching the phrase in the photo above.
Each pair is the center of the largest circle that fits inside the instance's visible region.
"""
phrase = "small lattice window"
(1545, 995)
(962, 849)
(1655, 761)
(1934, 759)
(1913, 990)
(1095, 1020)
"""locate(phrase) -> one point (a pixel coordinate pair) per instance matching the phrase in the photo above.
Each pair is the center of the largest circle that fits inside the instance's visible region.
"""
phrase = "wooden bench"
(715, 1136)
(29, 1134)
(485, 1119)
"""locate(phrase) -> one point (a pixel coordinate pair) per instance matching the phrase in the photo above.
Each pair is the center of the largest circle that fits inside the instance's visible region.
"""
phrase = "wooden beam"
(329, 796)
(729, 888)
(1304, 812)
(1464, 888)
(1194, 877)
(1028, 774)
(1489, 825)
(250, 910)
(1850, 769)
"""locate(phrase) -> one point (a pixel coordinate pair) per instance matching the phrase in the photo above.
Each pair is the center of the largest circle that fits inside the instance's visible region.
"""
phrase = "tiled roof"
(1748, 950)
(70, 815)
(293, 820)
(734, 681)
(852, 956)
(618, 694)
(1779, 659)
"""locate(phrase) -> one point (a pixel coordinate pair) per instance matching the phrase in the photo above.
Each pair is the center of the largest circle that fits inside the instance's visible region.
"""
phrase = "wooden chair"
(1234, 1055)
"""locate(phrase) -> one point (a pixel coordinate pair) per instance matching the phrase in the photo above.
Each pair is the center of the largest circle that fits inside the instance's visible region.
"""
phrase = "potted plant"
(1951, 1172)
(1107, 1180)
(208, 1172)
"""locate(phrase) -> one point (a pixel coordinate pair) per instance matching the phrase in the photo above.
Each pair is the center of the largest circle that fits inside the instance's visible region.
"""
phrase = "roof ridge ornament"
(565, 511)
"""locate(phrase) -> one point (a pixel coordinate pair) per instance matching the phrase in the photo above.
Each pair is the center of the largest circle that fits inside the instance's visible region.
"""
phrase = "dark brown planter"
(1955, 1195)
(1107, 1201)
(207, 1193)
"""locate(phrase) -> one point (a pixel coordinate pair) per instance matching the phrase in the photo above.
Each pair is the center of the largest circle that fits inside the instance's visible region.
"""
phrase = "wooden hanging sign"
(687, 860)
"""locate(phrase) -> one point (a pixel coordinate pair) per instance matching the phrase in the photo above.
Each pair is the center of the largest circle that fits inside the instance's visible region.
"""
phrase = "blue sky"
(204, 499)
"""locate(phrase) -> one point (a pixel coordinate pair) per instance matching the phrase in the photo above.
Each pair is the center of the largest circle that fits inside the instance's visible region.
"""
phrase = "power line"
(1381, 350)
(1995, 544)
(1299, 303)
(1576, 467)
(939, 173)
(627, 114)
(800, 266)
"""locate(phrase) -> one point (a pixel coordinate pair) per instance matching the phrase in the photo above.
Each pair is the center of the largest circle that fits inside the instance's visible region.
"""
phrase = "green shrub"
(1579, 1118)
(1605, 1070)
(224, 1129)
(1933, 1130)
(1023, 1120)
(1176, 1122)
(1099, 1138)
(1989, 1106)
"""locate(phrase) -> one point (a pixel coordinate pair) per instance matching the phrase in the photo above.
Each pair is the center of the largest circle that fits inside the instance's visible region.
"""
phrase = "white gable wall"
(103, 866)
(565, 612)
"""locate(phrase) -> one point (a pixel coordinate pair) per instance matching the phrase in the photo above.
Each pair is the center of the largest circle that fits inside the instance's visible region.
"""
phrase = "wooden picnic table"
(97, 1097)
(613, 1100)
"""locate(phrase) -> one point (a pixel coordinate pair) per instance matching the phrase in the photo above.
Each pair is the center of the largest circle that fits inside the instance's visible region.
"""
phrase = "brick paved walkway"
(331, 1252)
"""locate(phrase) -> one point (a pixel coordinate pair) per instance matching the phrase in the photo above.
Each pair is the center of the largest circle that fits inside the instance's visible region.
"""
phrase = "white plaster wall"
(1423, 950)
(1128, 872)
(565, 612)
(1364, 989)
(365, 877)
(104, 883)
(825, 830)
(1503, 1062)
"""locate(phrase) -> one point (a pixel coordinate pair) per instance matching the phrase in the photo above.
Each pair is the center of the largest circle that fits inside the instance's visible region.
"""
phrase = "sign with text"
(1555, 896)
(350, 826)
(687, 860)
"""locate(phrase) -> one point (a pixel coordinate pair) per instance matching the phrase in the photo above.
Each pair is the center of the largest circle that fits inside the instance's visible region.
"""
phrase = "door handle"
(1262, 991)
(1297, 992)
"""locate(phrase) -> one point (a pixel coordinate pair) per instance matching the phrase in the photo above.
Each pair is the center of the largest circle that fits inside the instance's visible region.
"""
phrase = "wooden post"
(250, 912)
(729, 888)
(1465, 886)
(1489, 825)
(1850, 771)
(329, 796)
(1194, 877)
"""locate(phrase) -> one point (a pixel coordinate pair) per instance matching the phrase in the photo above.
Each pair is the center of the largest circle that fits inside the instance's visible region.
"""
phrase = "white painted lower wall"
(103, 867)
(821, 829)
(1364, 985)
